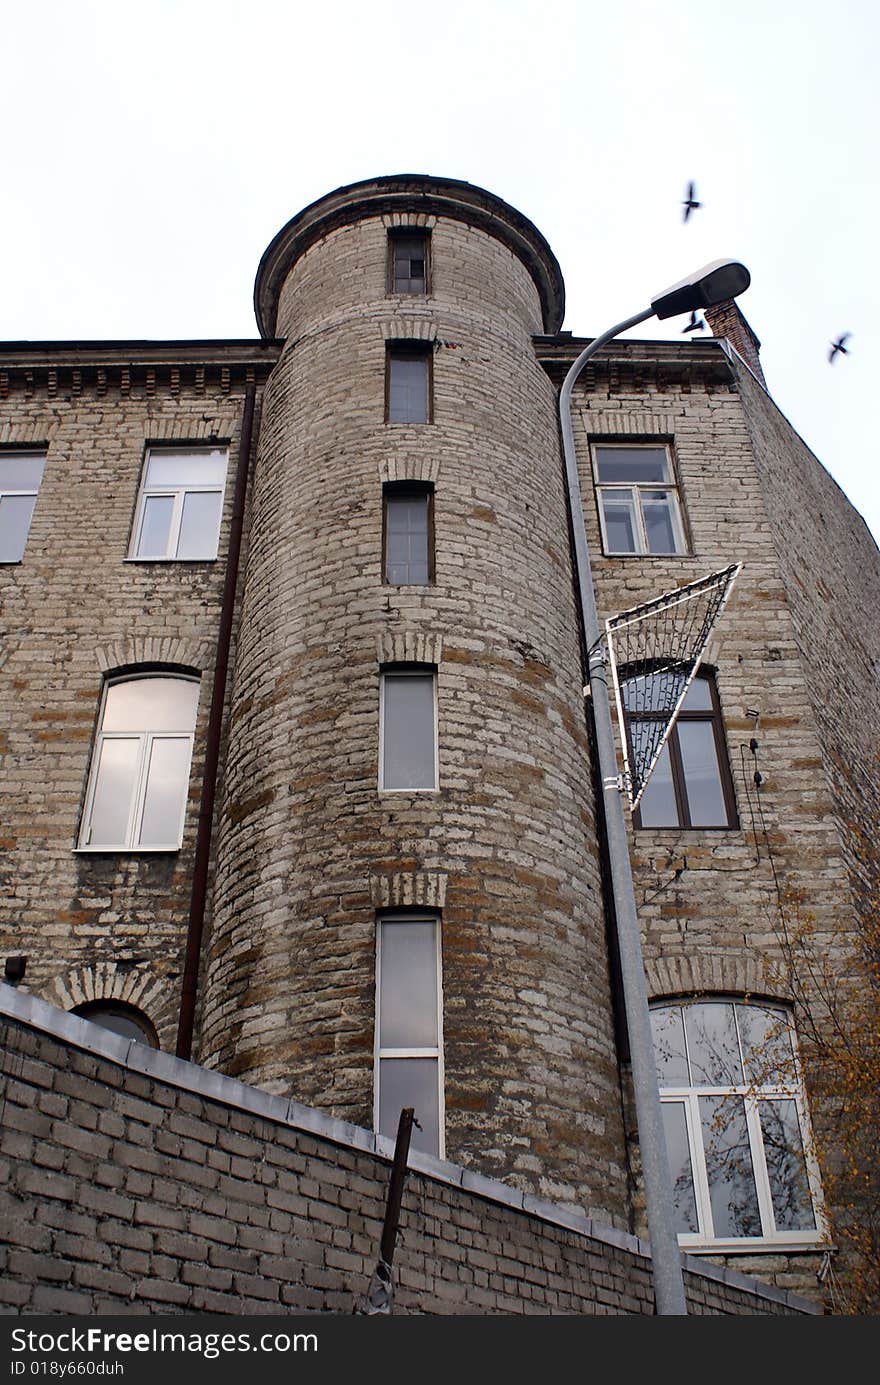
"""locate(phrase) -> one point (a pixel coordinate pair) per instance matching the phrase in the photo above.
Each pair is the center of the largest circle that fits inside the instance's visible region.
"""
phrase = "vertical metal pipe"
(665, 1255)
(198, 894)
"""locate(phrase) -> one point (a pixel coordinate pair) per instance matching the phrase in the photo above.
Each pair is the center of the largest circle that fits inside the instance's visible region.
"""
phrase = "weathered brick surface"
(98, 925)
(79, 1251)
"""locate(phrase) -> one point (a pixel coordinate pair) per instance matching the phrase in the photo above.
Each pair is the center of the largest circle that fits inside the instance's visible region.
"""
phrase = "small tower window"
(408, 262)
(409, 533)
(407, 383)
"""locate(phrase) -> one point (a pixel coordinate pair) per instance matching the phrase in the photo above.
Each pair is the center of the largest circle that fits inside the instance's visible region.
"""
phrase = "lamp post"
(715, 283)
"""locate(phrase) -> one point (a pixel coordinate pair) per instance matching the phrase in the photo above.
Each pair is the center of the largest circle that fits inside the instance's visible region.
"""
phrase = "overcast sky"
(151, 152)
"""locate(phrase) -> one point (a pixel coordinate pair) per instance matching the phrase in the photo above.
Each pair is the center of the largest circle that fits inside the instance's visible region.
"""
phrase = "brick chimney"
(726, 320)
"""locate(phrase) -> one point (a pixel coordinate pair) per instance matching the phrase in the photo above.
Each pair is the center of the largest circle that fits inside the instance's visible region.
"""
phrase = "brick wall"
(135, 1183)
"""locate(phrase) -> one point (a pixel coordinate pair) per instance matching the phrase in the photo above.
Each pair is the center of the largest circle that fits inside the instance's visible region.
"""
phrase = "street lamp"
(715, 283)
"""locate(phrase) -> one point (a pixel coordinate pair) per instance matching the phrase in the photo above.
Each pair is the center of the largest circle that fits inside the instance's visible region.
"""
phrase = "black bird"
(839, 345)
(690, 202)
(696, 324)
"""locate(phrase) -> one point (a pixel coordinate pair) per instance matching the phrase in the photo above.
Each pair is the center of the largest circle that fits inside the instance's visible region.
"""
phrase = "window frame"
(36, 454)
(136, 1017)
(672, 487)
(178, 496)
(408, 489)
(679, 779)
(390, 918)
(752, 1095)
(408, 671)
(413, 350)
(395, 235)
(137, 801)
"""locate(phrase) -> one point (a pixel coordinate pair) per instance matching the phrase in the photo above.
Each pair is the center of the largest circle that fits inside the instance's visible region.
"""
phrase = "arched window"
(736, 1125)
(139, 778)
(690, 785)
(119, 1018)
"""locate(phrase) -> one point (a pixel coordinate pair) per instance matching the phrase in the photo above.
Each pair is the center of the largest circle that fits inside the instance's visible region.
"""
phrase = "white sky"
(151, 152)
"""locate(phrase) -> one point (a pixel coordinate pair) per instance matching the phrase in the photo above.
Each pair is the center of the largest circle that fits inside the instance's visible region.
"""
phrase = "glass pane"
(660, 529)
(167, 782)
(155, 526)
(408, 732)
(702, 777)
(117, 1021)
(732, 1193)
(408, 389)
(620, 526)
(151, 704)
(21, 471)
(114, 791)
(186, 468)
(698, 697)
(411, 1082)
(653, 692)
(766, 1044)
(713, 1045)
(657, 807)
(406, 531)
(667, 1031)
(684, 1201)
(199, 525)
(15, 521)
(408, 985)
(632, 464)
(786, 1166)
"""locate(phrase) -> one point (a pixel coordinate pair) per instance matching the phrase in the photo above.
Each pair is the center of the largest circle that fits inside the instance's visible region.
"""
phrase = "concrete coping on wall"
(137, 1057)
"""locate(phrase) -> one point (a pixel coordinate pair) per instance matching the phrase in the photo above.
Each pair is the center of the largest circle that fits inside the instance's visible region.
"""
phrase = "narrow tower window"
(408, 533)
(409, 1045)
(408, 262)
(408, 384)
(408, 730)
(20, 477)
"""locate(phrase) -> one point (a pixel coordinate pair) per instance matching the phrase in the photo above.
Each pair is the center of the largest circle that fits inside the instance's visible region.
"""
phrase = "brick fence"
(137, 1183)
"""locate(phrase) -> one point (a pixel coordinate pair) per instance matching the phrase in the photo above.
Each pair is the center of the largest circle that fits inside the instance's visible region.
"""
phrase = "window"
(409, 1046)
(735, 1123)
(691, 784)
(408, 730)
(20, 477)
(180, 505)
(140, 766)
(409, 533)
(408, 384)
(638, 499)
(119, 1018)
(408, 262)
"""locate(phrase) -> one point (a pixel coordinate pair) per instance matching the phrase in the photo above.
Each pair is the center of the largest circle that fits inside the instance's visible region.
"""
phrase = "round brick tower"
(318, 839)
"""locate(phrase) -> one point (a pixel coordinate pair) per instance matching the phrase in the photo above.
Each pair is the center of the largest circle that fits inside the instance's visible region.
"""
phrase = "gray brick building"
(297, 776)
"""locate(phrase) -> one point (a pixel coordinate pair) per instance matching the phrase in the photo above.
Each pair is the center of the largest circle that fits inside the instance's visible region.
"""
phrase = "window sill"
(802, 1245)
(125, 850)
(656, 556)
(397, 793)
(731, 831)
(189, 561)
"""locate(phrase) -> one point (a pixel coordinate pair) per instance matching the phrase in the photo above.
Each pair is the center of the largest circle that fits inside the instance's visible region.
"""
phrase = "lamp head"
(714, 283)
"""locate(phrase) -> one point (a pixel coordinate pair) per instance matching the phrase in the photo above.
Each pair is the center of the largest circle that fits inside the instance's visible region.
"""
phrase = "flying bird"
(839, 345)
(690, 202)
(696, 324)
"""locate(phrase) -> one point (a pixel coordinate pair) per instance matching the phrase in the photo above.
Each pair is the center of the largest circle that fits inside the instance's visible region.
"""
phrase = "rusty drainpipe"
(212, 748)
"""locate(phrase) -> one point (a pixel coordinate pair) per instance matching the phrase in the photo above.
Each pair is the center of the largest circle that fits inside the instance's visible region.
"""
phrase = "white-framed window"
(180, 504)
(20, 477)
(408, 757)
(741, 1161)
(136, 797)
(639, 510)
(409, 1028)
